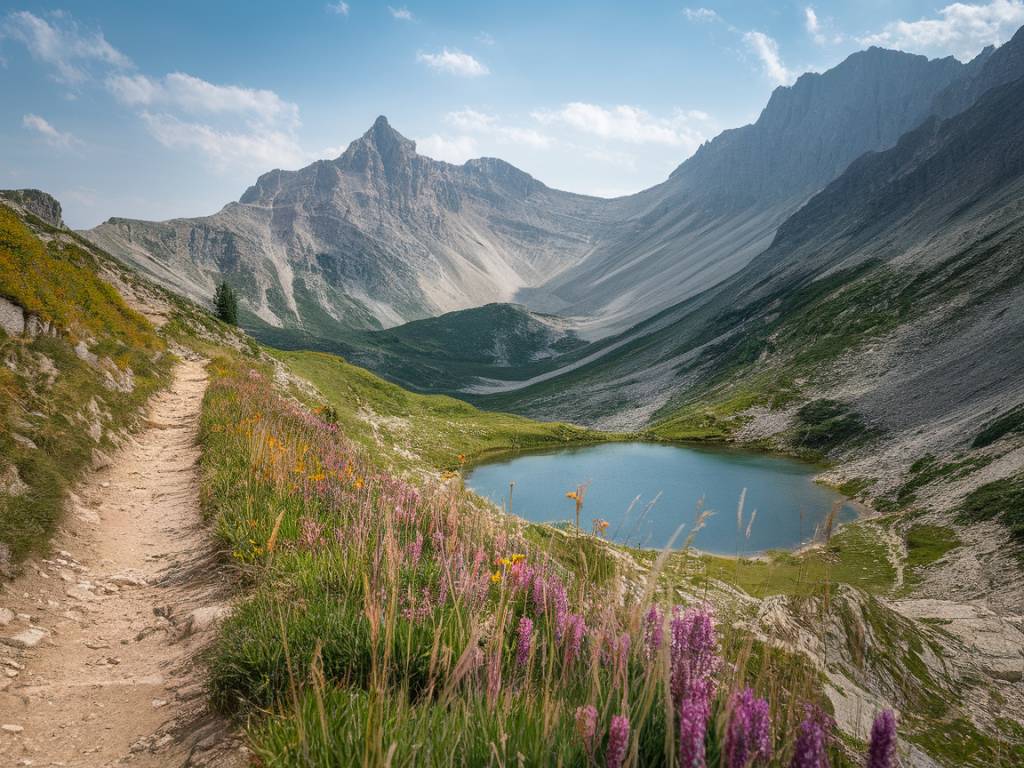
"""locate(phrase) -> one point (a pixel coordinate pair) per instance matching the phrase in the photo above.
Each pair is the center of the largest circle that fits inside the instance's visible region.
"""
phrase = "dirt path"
(98, 659)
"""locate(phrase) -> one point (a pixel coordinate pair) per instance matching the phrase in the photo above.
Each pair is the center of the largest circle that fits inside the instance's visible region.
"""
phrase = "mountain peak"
(385, 138)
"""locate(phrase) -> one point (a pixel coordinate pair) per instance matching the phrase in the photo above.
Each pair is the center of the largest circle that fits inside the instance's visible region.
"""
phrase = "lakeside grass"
(434, 429)
(387, 618)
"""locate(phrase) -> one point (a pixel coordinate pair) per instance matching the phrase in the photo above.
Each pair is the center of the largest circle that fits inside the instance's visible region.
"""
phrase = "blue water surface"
(646, 491)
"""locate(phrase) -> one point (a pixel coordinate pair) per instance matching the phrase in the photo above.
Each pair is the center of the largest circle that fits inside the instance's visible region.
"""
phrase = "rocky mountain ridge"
(383, 235)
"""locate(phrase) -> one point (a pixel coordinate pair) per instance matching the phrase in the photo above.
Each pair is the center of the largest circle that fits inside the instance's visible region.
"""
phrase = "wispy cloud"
(485, 38)
(229, 124)
(767, 51)
(259, 149)
(457, 149)
(195, 95)
(62, 45)
(49, 134)
(454, 62)
(820, 30)
(402, 14)
(961, 29)
(630, 124)
(701, 14)
(472, 121)
(340, 8)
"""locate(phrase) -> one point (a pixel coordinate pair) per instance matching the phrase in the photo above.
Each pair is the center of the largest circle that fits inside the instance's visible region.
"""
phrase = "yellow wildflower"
(496, 577)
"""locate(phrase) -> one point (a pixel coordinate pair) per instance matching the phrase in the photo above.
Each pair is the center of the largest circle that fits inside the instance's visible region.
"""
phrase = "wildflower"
(618, 741)
(811, 741)
(359, 483)
(575, 629)
(311, 533)
(693, 726)
(415, 550)
(572, 495)
(748, 735)
(586, 727)
(882, 750)
(517, 558)
(525, 633)
(694, 650)
(653, 631)
(495, 577)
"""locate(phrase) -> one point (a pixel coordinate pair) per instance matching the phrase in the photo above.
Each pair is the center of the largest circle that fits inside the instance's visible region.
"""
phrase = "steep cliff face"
(721, 207)
(375, 238)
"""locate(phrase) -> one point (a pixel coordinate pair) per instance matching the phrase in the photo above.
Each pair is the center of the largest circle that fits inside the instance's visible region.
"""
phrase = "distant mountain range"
(382, 235)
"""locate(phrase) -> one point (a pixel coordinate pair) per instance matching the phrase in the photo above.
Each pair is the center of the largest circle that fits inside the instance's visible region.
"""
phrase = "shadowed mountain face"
(721, 207)
(382, 235)
(895, 290)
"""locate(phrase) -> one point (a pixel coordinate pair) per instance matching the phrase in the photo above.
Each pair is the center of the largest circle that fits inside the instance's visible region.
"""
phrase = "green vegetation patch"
(435, 428)
(926, 544)
(1009, 423)
(824, 425)
(1001, 500)
(928, 469)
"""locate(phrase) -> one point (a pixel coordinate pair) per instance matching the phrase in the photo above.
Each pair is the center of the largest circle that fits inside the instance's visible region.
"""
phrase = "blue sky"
(155, 110)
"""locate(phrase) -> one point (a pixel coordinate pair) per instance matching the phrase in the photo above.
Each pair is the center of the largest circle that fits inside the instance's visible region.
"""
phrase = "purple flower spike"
(748, 735)
(525, 633)
(812, 741)
(618, 742)
(586, 727)
(882, 750)
(693, 725)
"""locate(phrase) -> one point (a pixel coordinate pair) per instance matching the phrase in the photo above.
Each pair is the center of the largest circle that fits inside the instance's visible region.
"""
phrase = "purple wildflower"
(525, 634)
(653, 631)
(575, 629)
(586, 727)
(882, 750)
(694, 650)
(748, 735)
(311, 533)
(415, 550)
(812, 740)
(693, 726)
(618, 741)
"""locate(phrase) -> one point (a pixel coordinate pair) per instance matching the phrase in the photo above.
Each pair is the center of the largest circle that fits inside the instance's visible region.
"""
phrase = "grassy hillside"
(435, 428)
(392, 618)
(71, 387)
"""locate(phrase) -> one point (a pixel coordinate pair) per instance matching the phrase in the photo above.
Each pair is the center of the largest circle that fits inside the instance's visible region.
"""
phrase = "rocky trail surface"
(98, 642)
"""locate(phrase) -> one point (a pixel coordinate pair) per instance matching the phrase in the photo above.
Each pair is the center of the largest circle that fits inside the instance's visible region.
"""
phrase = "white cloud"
(485, 38)
(961, 29)
(820, 29)
(53, 137)
(256, 149)
(630, 124)
(454, 62)
(767, 50)
(340, 8)
(469, 120)
(62, 45)
(197, 96)
(456, 150)
(402, 14)
(813, 26)
(701, 14)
